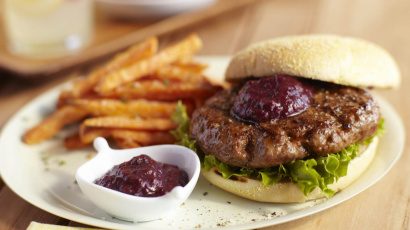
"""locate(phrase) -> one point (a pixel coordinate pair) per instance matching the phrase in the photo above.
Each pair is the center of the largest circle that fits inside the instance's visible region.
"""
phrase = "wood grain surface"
(109, 36)
(385, 205)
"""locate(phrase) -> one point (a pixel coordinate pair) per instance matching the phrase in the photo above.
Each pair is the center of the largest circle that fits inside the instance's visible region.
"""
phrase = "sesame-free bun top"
(330, 58)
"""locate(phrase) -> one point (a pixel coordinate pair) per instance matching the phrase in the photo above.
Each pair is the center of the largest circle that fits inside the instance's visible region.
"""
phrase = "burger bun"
(329, 58)
(289, 192)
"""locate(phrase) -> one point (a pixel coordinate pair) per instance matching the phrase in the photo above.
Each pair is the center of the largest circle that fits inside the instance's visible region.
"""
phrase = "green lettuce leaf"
(181, 133)
(307, 174)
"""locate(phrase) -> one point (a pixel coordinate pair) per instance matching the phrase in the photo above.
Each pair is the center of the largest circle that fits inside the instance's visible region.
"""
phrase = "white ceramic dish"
(149, 9)
(134, 208)
(45, 178)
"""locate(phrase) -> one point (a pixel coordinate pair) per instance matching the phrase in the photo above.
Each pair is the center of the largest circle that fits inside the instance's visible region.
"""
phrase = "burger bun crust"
(341, 60)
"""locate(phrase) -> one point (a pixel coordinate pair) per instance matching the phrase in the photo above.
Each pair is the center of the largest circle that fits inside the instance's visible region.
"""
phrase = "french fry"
(126, 143)
(55, 122)
(190, 66)
(159, 90)
(74, 142)
(65, 99)
(88, 134)
(136, 53)
(144, 138)
(141, 108)
(184, 48)
(176, 73)
(131, 98)
(123, 138)
(121, 122)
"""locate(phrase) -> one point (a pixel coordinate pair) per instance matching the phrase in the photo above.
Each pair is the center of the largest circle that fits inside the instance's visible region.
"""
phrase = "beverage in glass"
(47, 28)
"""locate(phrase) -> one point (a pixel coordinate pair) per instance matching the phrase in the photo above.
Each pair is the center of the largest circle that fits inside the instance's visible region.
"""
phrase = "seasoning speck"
(223, 224)
(90, 155)
(45, 159)
(229, 202)
(205, 193)
(61, 162)
(273, 213)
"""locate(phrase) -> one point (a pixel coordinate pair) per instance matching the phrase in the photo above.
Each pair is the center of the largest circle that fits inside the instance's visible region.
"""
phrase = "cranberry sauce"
(143, 176)
(271, 98)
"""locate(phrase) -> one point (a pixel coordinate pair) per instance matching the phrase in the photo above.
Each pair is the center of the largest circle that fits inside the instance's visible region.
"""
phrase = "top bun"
(340, 60)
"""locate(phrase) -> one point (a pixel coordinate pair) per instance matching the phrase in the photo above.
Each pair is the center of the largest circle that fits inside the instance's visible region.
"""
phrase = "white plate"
(44, 176)
(149, 9)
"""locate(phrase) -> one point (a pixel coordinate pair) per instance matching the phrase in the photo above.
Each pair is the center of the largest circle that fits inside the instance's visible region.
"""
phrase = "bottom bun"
(289, 192)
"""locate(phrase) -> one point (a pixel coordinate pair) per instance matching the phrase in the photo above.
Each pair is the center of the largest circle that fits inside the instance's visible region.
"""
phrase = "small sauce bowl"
(135, 208)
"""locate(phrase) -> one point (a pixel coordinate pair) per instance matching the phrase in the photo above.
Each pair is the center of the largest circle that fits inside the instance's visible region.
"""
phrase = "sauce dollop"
(143, 176)
(271, 98)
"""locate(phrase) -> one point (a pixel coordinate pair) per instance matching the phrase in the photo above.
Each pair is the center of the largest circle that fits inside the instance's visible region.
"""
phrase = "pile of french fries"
(130, 99)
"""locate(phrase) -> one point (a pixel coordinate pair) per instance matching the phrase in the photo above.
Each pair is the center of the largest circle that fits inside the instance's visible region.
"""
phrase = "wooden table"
(386, 205)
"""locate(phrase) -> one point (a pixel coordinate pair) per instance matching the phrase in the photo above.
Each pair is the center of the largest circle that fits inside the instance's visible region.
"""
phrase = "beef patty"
(337, 117)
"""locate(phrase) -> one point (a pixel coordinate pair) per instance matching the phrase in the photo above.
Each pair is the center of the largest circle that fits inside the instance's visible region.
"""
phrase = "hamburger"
(298, 122)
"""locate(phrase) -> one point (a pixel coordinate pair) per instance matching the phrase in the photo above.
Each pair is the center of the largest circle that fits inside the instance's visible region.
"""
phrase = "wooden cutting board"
(109, 37)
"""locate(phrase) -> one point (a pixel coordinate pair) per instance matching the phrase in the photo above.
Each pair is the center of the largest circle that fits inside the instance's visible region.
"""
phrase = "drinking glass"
(47, 28)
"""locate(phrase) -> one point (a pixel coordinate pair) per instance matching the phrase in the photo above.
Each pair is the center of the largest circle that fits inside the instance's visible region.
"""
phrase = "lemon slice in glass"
(35, 7)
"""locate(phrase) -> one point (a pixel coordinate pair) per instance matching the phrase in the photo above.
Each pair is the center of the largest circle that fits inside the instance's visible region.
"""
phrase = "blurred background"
(44, 42)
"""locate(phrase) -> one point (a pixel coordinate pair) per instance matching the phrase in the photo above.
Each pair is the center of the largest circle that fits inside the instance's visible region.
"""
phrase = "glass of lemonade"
(47, 28)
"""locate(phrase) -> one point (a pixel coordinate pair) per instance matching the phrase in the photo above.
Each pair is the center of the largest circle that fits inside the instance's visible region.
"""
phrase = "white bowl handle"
(101, 145)
(178, 192)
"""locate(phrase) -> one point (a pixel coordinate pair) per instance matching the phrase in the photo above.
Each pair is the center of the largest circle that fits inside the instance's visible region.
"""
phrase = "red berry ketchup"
(271, 98)
(143, 176)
